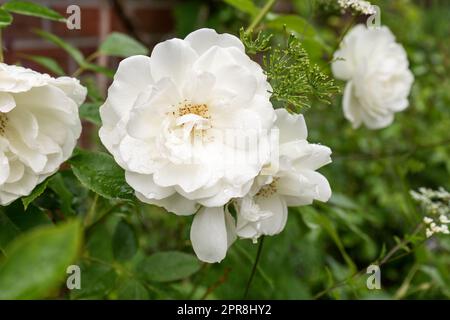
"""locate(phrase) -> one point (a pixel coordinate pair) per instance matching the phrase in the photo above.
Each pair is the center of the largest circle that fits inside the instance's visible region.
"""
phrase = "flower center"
(269, 189)
(186, 108)
(3, 123)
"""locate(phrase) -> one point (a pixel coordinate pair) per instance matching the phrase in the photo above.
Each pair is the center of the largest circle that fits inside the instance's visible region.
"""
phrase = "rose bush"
(234, 135)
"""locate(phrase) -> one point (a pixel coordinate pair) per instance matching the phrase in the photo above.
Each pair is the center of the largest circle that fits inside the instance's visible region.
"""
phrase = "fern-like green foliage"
(295, 82)
(255, 45)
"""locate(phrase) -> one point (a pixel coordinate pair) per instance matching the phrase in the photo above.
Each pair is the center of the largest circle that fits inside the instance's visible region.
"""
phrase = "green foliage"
(35, 194)
(48, 63)
(37, 261)
(261, 43)
(133, 290)
(32, 9)
(70, 49)
(120, 45)
(5, 18)
(168, 266)
(90, 111)
(292, 23)
(294, 80)
(99, 172)
(246, 6)
(124, 242)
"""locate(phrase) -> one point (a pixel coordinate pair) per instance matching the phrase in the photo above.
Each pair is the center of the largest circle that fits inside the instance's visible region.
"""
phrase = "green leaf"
(90, 111)
(8, 230)
(125, 242)
(121, 45)
(292, 23)
(26, 219)
(99, 172)
(71, 50)
(97, 280)
(133, 290)
(96, 68)
(168, 266)
(32, 9)
(48, 63)
(35, 194)
(5, 18)
(246, 6)
(37, 261)
(57, 185)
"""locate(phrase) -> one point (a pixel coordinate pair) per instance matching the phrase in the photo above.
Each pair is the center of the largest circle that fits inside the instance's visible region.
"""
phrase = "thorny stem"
(386, 259)
(262, 13)
(255, 265)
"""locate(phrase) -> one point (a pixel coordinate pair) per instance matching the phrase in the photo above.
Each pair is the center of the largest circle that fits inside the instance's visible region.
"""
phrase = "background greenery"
(128, 250)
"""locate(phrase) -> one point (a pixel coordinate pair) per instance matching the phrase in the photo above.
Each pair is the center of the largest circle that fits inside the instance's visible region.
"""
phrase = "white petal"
(144, 184)
(317, 157)
(322, 187)
(7, 102)
(133, 76)
(172, 59)
(209, 235)
(71, 88)
(4, 168)
(174, 203)
(291, 126)
(352, 109)
(277, 206)
(203, 39)
(189, 177)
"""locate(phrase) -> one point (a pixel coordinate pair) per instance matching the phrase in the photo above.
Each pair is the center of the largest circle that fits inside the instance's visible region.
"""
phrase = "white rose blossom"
(164, 121)
(295, 183)
(39, 127)
(377, 74)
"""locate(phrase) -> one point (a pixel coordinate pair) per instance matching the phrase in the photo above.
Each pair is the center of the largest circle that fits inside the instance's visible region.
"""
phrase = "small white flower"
(296, 182)
(444, 219)
(39, 127)
(358, 5)
(427, 220)
(165, 119)
(377, 74)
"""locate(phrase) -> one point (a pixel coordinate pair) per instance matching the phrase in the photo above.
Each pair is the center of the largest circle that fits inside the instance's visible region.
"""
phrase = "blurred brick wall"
(149, 20)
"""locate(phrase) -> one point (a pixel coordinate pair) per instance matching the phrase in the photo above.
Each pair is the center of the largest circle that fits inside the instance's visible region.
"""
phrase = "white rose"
(165, 119)
(296, 183)
(39, 127)
(378, 79)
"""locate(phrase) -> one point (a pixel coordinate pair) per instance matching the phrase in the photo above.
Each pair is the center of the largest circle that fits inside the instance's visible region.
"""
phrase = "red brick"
(157, 20)
(90, 19)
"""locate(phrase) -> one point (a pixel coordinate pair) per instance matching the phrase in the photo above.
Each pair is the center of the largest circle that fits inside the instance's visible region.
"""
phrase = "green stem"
(262, 13)
(1, 46)
(91, 213)
(255, 265)
(387, 258)
(347, 29)
(89, 59)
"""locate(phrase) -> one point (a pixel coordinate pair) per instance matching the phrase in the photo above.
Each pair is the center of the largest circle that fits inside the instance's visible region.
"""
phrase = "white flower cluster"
(193, 127)
(436, 204)
(365, 7)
